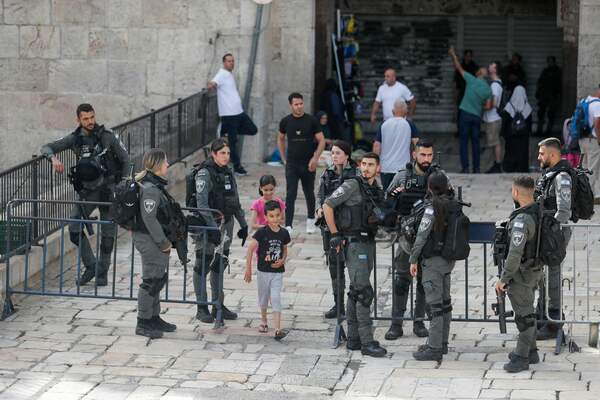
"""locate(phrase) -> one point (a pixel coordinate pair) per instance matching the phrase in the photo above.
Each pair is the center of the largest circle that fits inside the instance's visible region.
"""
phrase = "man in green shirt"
(478, 97)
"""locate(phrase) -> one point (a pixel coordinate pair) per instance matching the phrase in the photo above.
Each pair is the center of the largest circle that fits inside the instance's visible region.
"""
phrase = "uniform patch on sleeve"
(203, 172)
(517, 238)
(149, 205)
(565, 193)
(339, 192)
(200, 185)
(519, 224)
(429, 211)
(426, 222)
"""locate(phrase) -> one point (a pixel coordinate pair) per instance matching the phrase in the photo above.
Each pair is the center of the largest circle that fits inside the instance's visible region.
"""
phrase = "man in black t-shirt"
(305, 143)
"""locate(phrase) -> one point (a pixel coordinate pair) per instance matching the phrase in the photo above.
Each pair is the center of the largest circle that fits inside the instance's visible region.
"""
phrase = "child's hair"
(264, 181)
(271, 205)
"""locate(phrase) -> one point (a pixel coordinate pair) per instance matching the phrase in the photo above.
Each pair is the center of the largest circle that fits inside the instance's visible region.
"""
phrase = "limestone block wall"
(128, 56)
(588, 66)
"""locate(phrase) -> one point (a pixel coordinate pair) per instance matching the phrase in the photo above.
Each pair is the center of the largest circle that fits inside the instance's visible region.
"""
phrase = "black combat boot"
(423, 347)
(332, 313)
(353, 344)
(533, 358)
(163, 325)
(428, 353)
(86, 277)
(102, 279)
(227, 313)
(373, 349)
(204, 315)
(145, 327)
(517, 364)
(394, 332)
(419, 329)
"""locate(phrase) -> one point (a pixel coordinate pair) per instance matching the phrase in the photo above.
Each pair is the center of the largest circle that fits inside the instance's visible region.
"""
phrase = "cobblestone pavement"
(69, 348)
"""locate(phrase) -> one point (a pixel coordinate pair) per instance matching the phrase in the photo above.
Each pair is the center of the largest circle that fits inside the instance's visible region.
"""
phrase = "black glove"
(335, 243)
(243, 234)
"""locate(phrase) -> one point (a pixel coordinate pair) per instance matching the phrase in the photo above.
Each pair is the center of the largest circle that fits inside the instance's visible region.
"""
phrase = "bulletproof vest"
(168, 213)
(438, 238)
(544, 183)
(415, 188)
(223, 196)
(364, 216)
(529, 254)
(96, 165)
(332, 181)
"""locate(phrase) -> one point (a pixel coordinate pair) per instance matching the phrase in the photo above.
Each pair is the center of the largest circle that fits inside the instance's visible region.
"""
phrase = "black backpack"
(551, 247)
(126, 204)
(456, 242)
(582, 194)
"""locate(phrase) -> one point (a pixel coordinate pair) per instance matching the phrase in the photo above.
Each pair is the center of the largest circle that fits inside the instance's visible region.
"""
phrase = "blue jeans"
(469, 125)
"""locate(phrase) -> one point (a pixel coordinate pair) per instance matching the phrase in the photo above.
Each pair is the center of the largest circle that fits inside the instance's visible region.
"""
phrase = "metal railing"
(61, 277)
(180, 129)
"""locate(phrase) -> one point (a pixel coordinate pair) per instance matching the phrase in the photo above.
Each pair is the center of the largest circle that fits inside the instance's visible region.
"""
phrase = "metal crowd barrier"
(62, 278)
(581, 294)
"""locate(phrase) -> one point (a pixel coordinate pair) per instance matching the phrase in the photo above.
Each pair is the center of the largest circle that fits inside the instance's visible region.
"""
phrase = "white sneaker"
(310, 225)
(290, 230)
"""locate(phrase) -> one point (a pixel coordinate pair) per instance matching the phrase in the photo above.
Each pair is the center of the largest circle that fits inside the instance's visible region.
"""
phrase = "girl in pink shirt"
(266, 189)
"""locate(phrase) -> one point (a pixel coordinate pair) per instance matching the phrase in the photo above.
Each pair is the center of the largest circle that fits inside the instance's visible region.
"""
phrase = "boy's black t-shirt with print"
(270, 244)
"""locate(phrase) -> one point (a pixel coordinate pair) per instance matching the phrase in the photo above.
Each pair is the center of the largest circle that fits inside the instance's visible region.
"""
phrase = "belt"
(359, 237)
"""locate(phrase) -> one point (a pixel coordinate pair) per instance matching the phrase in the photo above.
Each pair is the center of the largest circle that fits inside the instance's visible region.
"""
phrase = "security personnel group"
(419, 210)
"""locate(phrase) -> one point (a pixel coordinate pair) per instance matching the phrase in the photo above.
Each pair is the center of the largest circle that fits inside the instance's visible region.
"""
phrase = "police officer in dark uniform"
(409, 186)
(102, 161)
(342, 167)
(151, 239)
(216, 188)
(349, 213)
(554, 187)
(522, 273)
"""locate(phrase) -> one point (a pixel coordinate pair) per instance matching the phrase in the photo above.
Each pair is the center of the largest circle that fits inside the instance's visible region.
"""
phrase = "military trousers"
(436, 284)
(154, 275)
(521, 293)
(359, 261)
(402, 281)
(334, 262)
(212, 258)
(77, 231)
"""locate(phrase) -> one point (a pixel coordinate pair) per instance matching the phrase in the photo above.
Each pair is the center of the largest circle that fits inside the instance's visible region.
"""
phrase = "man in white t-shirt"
(590, 145)
(390, 91)
(492, 123)
(234, 121)
(393, 143)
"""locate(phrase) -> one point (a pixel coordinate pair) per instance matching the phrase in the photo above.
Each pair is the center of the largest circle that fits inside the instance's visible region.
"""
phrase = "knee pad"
(525, 322)
(74, 237)
(365, 296)
(152, 286)
(352, 294)
(401, 285)
(435, 310)
(447, 306)
(106, 244)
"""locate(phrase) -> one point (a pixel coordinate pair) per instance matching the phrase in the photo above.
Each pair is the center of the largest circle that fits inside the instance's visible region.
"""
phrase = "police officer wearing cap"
(348, 213)
(216, 188)
(342, 167)
(554, 188)
(522, 273)
(408, 187)
(102, 161)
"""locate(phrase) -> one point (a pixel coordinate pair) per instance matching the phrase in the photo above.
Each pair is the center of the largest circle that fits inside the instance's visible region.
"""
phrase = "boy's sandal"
(263, 328)
(280, 334)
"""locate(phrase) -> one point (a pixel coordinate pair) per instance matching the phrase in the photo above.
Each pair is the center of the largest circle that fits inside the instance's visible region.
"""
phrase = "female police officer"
(151, 241)
(436, 269)
(216, 188)
(343, 167)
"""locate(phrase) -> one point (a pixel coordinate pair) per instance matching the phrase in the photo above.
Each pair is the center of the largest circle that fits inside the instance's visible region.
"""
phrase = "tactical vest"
(168, 212)
(544, 183)
(529, 254)
(332, 181)
(223, 196)
(415, 188)
(361, 217)
(451, 242)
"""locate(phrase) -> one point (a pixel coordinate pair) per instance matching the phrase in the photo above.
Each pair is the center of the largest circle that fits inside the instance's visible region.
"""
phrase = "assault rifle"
(500, 252)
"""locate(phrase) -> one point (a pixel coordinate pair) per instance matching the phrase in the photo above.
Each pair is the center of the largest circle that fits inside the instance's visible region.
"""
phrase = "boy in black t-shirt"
(272, 241)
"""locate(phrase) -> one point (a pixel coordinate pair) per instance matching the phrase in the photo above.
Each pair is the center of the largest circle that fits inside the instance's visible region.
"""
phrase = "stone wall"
(128, 56)
(588, 66)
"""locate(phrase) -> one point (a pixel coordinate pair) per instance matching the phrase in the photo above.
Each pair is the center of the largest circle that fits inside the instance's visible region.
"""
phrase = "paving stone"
(110, 391)
(243, 367)
(222, 377)
(70, 357)
(533, 395)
